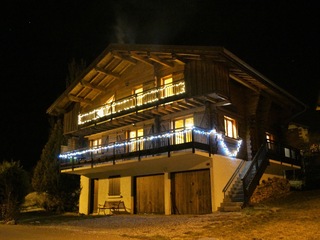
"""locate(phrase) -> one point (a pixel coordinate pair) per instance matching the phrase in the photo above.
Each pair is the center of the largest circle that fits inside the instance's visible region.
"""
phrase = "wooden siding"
(150, 194)
(191, 192)
(71, 119)
(205, 78)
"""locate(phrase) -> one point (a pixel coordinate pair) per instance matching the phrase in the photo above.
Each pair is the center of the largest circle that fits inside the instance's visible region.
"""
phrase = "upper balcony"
(135, 102)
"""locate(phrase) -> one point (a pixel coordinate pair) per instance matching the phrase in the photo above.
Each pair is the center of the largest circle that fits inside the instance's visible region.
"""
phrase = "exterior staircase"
(243, 182)
(233, 202)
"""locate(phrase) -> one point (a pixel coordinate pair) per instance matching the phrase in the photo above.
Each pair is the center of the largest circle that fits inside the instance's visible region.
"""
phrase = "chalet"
(173, 129)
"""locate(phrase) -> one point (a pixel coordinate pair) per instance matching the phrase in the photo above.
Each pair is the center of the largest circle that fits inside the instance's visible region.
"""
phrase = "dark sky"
(39, 38)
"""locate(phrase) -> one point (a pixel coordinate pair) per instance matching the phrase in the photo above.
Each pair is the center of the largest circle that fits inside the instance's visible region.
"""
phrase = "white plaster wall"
(103, 190)
(84, 195)
(126, 192)
(222, 170)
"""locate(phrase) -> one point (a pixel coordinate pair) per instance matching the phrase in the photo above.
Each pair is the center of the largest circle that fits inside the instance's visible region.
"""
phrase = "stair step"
(230, 209)
(224, 204)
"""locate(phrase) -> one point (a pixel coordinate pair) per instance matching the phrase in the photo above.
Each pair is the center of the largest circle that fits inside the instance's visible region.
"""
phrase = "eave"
(119, 58)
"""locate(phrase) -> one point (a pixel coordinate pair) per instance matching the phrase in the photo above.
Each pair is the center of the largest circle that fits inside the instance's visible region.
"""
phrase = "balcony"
(186, 139)
(151, 97)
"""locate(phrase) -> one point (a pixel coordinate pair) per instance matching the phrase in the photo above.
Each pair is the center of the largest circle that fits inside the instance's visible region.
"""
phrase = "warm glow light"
(153, 137)
(131, 102)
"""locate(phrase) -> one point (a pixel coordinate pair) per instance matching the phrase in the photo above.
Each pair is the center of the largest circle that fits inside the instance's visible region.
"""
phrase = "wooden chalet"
(173, 129)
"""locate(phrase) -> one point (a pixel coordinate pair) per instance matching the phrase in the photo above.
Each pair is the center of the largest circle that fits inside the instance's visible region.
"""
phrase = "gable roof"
(117, 58)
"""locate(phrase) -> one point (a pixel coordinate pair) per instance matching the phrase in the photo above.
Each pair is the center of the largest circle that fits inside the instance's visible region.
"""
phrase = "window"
(95, 143)
(114, 186)
(168, 88)
(230, 127)
(107, 108)
(134, 135)
(179, 126)
(270, 140)
(137, 92)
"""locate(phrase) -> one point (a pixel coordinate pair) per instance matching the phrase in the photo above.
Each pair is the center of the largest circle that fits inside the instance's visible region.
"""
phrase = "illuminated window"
(138, 92)
(168, 87)
(270, 140)
(95, 144)
(134, 135)
(114, 186)
(230, 127)
(179, 126)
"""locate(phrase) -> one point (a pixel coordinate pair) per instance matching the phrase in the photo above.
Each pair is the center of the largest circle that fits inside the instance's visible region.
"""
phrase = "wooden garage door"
(150, 194)
(191, 192)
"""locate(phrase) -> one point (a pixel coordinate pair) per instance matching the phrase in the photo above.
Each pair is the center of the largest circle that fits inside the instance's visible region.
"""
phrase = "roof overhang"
(116, 59)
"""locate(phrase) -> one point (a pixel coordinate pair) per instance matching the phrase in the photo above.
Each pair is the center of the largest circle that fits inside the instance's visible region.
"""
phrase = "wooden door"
(94, 195)
(150, 194)
(191, 192)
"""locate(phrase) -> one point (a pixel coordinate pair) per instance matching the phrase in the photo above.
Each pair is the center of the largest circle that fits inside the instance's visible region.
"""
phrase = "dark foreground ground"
(296, 216)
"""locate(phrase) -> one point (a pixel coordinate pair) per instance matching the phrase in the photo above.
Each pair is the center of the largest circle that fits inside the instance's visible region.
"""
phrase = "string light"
(219, 136)
(131, 102)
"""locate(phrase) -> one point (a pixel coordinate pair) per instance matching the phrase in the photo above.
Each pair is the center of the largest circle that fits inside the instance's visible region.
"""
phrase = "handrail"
(236, 172)
(132, 101)
(251, 177)
(177, 139)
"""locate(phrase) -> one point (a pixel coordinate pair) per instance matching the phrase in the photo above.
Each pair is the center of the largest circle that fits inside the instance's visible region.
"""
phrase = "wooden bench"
(112, 206)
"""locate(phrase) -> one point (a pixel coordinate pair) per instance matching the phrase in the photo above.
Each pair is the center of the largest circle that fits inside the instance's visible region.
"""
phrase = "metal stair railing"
(231, 180)
(256, 169)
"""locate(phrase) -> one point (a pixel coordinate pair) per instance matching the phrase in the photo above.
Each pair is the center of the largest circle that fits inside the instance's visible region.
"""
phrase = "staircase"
(233, 202)
(243, 182)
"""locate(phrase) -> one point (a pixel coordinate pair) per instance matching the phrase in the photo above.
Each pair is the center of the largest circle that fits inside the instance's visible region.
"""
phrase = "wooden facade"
(137, 102)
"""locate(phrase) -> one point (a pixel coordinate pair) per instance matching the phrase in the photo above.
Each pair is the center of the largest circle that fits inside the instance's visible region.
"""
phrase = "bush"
(14, 186)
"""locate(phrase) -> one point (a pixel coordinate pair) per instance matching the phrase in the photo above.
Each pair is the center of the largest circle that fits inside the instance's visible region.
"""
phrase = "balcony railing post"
(114, 154)
(168, 146)
(209, 145)
(139, 156)
(192, 139)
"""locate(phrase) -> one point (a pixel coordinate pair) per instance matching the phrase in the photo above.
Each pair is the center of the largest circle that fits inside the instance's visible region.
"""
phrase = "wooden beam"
(176, 59)
(156, 59)
(112, 74)
(156, 112)
(93, 87)
(169, 108)
(78, 99)
(141, 59)
(241, 81)
(123, 58)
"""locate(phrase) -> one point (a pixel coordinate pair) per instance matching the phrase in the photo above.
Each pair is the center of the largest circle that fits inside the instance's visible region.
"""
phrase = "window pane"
(114, 186)
(230, 127)
(139, 96)
(168, 89)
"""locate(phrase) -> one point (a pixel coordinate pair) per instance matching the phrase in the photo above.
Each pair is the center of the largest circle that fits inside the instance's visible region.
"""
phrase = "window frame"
(230, 127)
(114, 186)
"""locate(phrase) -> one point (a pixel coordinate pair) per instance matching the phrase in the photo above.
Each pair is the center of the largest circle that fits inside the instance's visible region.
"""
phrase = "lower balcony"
(161, 144)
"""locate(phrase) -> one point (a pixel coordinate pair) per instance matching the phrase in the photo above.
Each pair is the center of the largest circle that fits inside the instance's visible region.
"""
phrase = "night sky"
(38, 39)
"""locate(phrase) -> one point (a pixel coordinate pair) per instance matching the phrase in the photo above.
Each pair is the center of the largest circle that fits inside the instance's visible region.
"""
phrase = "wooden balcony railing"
(137, 148)
(133, 101)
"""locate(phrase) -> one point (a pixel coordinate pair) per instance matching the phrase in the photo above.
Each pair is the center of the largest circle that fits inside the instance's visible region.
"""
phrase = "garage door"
(150, 194)
(191, 192)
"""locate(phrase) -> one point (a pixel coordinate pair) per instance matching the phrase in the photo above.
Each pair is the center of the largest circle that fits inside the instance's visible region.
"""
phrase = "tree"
(46, 173)
(75, 69)
(14, 186)
(62, 190)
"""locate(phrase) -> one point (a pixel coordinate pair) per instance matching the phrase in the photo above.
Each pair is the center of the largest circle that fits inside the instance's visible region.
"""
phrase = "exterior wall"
(84, 195)
(221, 171)
(167, 194)
(276, 169)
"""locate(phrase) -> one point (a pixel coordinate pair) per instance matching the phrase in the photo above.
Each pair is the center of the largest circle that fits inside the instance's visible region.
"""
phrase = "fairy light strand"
(131, 102)
(219, 136)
